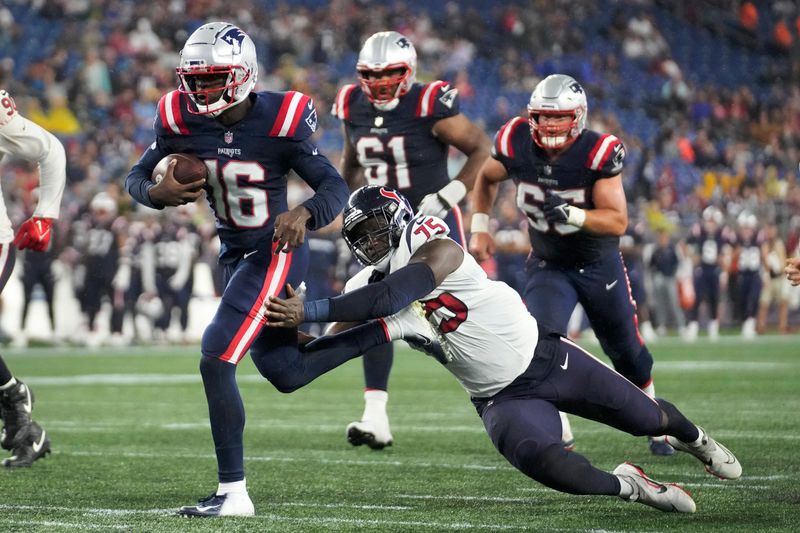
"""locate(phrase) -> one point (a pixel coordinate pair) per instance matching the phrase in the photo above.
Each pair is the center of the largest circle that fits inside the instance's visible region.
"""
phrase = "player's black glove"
(556, 209)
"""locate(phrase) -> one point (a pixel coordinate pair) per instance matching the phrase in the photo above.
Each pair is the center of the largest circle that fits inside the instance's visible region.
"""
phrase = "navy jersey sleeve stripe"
(341, 106)
(169, 110)
(289, 115)
(503, 144)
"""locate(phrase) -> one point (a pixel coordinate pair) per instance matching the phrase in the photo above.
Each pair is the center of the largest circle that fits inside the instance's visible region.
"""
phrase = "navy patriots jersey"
(708, 246)
(247, 162)
(572, 175)
(397, 148)
(749, 256)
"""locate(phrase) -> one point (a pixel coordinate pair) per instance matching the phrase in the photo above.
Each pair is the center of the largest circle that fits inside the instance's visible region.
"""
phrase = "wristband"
(480, 223)
(452, 193)
(316, 310)
(576, 216)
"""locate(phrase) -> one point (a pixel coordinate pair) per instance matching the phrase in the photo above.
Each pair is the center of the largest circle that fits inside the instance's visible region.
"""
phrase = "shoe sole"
(356, 437)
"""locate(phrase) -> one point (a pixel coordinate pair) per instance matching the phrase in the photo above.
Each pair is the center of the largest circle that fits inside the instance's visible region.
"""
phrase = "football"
(189, 168)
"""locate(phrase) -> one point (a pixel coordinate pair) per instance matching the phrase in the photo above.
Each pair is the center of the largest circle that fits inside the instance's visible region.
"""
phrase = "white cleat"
(374, 434)
(411, 325)
(667, 497)
(230, 504)
(718, 460)
(691, 332)
(713, 330)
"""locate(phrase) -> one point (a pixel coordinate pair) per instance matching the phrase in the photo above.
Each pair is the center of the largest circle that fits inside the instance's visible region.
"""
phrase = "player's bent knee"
(215, 341)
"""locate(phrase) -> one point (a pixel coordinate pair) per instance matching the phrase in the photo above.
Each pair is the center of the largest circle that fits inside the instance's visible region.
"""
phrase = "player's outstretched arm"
(351, 169)
(427, 268)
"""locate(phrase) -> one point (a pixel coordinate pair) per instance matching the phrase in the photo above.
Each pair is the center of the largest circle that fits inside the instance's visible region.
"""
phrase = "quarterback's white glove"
(438, 203)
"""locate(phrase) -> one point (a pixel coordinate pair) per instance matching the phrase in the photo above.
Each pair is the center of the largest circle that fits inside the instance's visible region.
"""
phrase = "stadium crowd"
(704, 149)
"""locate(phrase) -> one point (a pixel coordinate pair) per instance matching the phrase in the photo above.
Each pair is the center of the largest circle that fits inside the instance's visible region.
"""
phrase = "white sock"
(9, 384)
(393, 328)
(625, 488)
(375, 404)
(650, 389)
(233, 486)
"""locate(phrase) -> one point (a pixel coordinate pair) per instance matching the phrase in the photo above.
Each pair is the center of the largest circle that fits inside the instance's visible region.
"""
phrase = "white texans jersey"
(24, 139)
(484, 327)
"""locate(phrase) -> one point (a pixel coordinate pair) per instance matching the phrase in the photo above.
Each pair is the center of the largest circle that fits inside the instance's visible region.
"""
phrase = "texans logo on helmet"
(386, 193)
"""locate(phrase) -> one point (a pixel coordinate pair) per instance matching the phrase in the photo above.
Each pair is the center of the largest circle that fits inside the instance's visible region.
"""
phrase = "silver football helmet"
(387, 66)
(218, 68)
(712, 214)
(557, 95)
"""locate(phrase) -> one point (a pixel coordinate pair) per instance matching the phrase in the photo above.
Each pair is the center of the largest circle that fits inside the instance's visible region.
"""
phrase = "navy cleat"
(36, 446)
(659, 446)
(16, 404)
(230, 504)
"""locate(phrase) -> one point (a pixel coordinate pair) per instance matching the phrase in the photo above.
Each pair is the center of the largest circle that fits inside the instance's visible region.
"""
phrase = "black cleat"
(16, 405)
(231, 504)
(36, 447)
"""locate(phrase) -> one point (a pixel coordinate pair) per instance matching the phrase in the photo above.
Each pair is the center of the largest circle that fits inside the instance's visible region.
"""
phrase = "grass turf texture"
(131, 443)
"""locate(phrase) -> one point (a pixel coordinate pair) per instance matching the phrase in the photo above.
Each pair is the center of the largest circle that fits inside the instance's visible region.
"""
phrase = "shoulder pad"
(607, 156)
(424, 229)
(341, 105)
(169, 119)
(296, 118)
(503, 145)
(437, 99)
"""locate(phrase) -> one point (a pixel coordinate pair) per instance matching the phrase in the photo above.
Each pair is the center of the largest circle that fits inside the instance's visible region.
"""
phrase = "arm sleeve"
(330, 189)
(28, 140)
(376, 300)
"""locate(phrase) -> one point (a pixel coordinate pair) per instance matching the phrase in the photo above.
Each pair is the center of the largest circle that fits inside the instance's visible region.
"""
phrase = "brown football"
(189, 168)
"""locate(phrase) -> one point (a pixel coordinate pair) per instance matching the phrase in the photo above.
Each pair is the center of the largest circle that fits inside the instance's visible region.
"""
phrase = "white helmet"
(557, 95)
(713, 214)
(746, 219)
(217, 51)
(386, 53)
(103, 203)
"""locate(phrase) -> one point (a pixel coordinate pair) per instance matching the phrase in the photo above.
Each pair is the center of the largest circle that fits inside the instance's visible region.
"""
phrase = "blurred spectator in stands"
(143, 40)
(776, 290)
(664, 267)
(748, 260)
(782, 39)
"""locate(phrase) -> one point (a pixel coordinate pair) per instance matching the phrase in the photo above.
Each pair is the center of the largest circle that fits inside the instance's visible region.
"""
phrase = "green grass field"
(131, 443)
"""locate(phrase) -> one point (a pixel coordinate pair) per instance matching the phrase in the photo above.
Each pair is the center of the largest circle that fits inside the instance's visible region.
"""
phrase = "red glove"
(34, 233)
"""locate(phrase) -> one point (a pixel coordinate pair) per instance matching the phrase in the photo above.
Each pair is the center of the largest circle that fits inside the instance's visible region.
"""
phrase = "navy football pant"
(706, 289)
(602, 288)
(378, 361)
(523, 422)
(238, 326)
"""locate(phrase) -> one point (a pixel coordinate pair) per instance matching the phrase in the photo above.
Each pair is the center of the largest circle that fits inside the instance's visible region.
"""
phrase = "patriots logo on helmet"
(576, 87)
(234, 37)
(403, 43)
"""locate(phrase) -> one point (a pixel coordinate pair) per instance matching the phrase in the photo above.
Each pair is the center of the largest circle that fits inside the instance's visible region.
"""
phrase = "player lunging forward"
(399, 132)
(249, 141)
(518, 373)
(22, 138)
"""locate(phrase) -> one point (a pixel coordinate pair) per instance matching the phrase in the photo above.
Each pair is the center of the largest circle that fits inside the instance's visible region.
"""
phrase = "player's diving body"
(569, 186)
(398, 133)
(518, 373)
(249, 141)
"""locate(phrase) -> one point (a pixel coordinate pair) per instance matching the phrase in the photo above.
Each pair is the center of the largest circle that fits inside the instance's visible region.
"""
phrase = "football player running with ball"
(397, 133)
(518, 373)
(22, 138)
(569, 186)
(249, 141)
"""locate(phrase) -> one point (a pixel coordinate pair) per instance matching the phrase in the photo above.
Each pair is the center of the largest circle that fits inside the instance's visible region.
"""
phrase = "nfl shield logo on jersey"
(228, 137)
